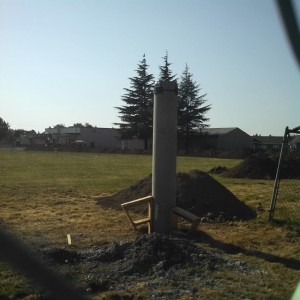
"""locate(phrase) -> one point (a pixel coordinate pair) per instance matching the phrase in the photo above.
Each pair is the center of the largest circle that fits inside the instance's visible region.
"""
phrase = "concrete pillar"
(164, 156)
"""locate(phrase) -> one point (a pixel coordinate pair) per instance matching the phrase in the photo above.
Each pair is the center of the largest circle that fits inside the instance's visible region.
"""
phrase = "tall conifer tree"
(191, 108)
(165, 71)
(136, 113)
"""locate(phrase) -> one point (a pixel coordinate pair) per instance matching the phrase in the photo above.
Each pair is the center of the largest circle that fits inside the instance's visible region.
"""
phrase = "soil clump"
(196, 192)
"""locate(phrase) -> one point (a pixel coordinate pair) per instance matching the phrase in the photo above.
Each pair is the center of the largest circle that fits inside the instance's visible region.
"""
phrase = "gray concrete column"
(164, 156)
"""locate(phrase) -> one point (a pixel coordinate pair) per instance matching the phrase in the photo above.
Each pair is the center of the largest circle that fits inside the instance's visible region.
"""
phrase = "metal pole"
(164, 156)
(277, 178)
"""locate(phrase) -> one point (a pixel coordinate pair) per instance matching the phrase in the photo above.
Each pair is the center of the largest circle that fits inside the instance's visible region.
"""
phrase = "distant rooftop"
(269, 139)
(218, 131)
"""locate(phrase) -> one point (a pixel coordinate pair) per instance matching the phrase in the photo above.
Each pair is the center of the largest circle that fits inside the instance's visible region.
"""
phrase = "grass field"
(47, 195)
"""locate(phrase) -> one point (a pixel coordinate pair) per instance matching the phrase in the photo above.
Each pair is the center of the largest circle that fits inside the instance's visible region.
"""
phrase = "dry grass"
(45, 196)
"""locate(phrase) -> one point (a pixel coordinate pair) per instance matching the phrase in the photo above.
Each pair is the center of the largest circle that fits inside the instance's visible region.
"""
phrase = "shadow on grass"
(201, 236)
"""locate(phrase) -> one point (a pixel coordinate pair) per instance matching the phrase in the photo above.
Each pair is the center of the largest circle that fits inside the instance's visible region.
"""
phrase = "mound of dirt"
(169, 266)
(262, 166)
(291, 167)
(254, 167)
(155, 253)
(196, 192)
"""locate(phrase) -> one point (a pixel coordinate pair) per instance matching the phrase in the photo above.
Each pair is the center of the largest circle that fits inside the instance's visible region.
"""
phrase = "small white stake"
(69, 239)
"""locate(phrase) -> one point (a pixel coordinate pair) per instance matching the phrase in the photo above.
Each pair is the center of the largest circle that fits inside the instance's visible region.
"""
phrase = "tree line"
(8, 134)
(78, 125)
(137, 112)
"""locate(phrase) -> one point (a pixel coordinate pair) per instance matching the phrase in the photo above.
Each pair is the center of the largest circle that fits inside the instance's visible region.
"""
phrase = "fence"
(285, 203)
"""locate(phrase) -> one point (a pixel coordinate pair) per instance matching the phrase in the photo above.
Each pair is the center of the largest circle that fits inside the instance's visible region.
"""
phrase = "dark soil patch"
(62, 256)
(196, 192)
(255, 167)
(159, 260)
(156, 254)
(263, 166)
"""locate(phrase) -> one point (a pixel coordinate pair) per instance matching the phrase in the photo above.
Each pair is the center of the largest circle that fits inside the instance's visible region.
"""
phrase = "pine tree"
(4, 129)
(191, 108)
(165, 72)
(136, 114)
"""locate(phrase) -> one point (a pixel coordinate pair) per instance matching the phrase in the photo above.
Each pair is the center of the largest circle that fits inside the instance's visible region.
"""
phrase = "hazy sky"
(67, 61)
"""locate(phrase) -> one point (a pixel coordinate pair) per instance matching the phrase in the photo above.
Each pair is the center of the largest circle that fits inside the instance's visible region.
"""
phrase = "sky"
(68, 61)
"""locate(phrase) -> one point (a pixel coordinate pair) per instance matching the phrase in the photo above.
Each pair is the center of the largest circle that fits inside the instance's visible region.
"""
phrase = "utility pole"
(164, 156)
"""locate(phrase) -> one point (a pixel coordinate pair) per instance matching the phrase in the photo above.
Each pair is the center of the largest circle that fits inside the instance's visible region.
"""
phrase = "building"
(267, 142)
(91, 137)
(64, 136)
(31, 138)
(231, 138)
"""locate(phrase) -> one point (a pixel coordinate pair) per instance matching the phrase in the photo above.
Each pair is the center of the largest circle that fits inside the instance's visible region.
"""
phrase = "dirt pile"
(196, 192)
(254, 167)
(291, 167)
(154, 253)
(263, 166)
(157, 259)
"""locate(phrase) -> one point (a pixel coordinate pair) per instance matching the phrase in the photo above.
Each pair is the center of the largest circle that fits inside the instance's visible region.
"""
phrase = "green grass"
(71, 172)
(46, 195)
(84, 172)
(12, 284)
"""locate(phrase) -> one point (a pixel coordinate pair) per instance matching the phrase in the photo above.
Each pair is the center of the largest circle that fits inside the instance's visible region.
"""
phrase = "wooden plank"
(129, 218)
(69, 239)
(134, 202)
(150, 215)
(148, 200)
(141, 221)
